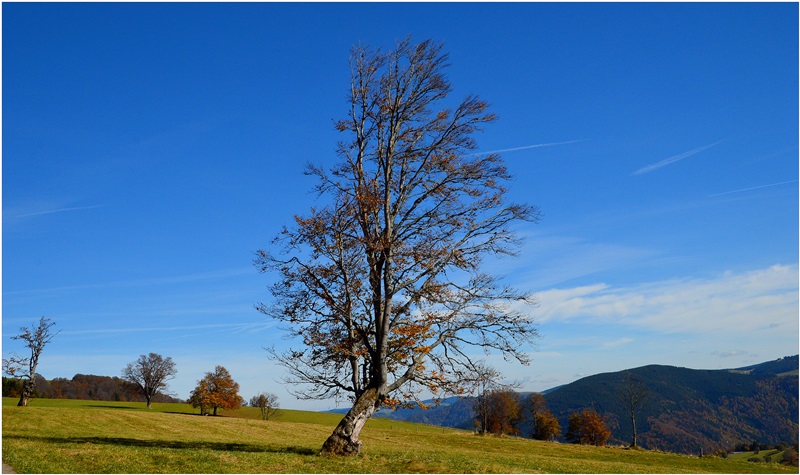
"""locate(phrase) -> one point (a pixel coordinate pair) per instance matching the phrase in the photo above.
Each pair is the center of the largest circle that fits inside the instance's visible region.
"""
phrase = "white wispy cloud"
(616, 343)
(95, 331)
(758, 300)
(153, 281)
(230, 327)
(742, 190)
(53, 211)
(526, 147)
(561, 258)
(731, 353)
(673, 159)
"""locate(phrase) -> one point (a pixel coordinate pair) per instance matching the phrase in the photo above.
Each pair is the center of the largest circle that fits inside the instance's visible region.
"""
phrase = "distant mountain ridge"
(687, 410)
(779, 367)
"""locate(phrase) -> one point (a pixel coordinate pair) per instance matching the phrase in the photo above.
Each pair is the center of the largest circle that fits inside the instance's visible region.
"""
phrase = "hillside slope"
(690, 410)
(687, 410)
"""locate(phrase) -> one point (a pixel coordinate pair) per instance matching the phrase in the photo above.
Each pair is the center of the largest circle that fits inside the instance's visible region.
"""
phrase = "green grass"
(775, 455)
(67, 436)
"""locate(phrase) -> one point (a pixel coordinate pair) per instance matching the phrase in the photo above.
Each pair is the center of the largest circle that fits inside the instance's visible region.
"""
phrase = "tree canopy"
(497, 412)
(217, 390)
(150, 374)
(587, 428)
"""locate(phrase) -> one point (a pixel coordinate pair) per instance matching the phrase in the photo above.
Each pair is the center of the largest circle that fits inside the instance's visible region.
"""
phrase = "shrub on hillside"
(587, 428)
(790, 457)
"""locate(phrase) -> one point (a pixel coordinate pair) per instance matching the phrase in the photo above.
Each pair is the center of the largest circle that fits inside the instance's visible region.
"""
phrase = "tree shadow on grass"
(168, 444)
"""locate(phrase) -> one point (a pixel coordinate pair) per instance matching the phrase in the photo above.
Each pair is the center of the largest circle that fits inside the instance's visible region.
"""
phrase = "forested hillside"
(451, 412)
(685, 410)
(692, 410)
(84, 386)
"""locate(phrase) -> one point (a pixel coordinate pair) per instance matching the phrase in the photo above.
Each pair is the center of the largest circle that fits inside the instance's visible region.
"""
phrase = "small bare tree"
(150, 374)
(634, 392)
(267, 403)
(487, 379)
(35, 338)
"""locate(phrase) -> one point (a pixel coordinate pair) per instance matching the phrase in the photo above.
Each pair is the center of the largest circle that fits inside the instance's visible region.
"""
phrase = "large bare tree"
(35, 338)
(383, 285)
(150, 374)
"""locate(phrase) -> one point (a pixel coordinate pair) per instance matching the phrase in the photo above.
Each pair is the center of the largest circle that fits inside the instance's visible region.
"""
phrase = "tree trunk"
(25, 394)
(147, 398)
(633, 423)
(344, 439)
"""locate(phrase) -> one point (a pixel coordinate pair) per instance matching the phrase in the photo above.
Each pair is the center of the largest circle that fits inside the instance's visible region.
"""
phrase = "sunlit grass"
(773, 454)
(63, 436)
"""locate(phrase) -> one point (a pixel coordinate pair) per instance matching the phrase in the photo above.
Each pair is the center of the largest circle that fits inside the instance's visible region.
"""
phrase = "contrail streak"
(59, 210)
(753, 188)
(526, 147)
(673, 159)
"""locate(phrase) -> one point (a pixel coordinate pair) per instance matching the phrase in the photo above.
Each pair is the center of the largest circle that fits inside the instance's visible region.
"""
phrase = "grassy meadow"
(773, 454)
(70, 436)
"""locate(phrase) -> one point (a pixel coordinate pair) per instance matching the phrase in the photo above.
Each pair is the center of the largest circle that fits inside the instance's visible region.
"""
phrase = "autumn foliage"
(498, 411)
(545, 424)
(217, 390)
(587, 428)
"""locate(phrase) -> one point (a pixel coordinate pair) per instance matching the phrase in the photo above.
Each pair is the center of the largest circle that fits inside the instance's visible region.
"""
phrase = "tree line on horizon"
(83, 386)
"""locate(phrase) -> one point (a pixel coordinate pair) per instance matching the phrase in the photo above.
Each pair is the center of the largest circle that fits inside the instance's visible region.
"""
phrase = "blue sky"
(150, 149)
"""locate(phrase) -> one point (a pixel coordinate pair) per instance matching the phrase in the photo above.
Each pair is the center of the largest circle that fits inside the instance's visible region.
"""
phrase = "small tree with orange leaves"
(587, 428)
(382, 285)
(497, 412)
(545, 424)
(217, 390)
